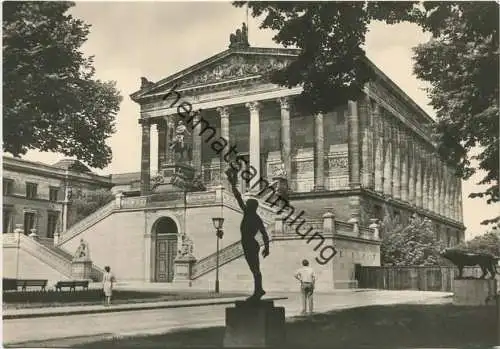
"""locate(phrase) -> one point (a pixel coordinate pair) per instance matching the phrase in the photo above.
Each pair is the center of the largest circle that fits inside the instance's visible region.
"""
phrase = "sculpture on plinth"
(250, 225)
(281, 181)
(461, 258)
(187, 247)
(239, 39)
(82, 252)
(181, 145)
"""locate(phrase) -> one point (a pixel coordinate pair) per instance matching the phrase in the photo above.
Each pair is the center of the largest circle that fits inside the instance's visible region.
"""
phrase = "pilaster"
(366, 149)
(353, 144)
(145, 156)
(170, 125)
(397, 166)
(405, 169)
(388, 165)
(319, 153)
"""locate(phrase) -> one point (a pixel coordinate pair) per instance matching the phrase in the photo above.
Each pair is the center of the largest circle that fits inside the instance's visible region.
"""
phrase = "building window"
(29, 222)
(52, 224)
(53, 193)
(31, 190)
(6, 220)
(7, 186)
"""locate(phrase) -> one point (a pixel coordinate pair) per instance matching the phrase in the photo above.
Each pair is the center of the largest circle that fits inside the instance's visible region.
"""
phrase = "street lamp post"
(218, 223)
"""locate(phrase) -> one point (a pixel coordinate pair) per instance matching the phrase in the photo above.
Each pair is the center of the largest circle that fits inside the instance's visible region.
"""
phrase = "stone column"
(168, 138)
(254, 148)
(379, 149)
(286, 152)
(319, 153)
(411, 173)
(161, 126)
(396, 174)
(425, 182)
(353, 143)
(460, 207)
(145, 156)
(224, 133)
(197, 146)
(388, 168)
(365, 129)
(405, 169)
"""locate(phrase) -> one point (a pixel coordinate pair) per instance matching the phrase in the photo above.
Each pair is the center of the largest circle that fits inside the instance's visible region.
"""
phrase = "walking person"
(107, 285)
(307, 279)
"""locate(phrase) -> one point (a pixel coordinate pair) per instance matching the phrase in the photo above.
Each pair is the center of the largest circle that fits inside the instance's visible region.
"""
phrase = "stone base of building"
(474, 291)
(81, 270)
(345, 284)
(255, 325)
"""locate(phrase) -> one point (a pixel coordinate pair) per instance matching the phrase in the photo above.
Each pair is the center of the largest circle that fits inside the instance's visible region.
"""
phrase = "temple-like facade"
(342, 178)
(369, 159)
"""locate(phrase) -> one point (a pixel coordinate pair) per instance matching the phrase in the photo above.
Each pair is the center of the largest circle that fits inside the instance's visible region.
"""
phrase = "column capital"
(284, 102)
(253, 106)
(223, 111)
(145, 121)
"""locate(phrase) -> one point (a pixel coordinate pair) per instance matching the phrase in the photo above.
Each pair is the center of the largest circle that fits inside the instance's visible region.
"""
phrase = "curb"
(148, 306)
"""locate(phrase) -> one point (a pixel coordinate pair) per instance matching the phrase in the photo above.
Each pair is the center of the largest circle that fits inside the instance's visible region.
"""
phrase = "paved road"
(78, 328)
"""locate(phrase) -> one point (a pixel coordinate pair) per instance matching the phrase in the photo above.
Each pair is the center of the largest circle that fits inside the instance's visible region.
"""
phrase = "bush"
(83, 206)
(413, 245)
(486, 243)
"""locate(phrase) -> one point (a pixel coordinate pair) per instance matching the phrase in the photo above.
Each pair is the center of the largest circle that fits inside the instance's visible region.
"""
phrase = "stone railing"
(88, 221)
(226, 255)
(46, 255)
(133, 202)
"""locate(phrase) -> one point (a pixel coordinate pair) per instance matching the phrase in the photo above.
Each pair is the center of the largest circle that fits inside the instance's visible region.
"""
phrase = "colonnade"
(384, 154)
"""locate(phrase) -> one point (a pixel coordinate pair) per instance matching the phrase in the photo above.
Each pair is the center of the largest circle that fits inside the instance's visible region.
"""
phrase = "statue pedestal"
(474, 291)
(282, 190)
(174, 177)
(255, 325)
(81, 269)
(183, 267)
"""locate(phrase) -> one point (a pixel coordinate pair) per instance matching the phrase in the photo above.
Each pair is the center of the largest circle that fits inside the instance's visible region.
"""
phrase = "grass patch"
(43, 299)
(392, 326)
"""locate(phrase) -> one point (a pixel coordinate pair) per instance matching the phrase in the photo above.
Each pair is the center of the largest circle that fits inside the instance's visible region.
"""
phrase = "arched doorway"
(165, 232)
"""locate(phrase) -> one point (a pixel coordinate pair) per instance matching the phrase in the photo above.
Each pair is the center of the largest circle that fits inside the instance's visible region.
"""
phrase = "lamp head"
(218, 222)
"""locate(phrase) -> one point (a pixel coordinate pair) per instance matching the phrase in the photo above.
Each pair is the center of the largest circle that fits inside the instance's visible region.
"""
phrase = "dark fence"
(411, 278)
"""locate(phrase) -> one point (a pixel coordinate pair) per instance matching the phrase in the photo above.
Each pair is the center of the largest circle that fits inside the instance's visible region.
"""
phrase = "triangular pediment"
(229, 65)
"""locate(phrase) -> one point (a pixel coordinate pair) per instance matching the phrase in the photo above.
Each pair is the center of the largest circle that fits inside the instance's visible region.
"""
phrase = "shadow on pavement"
(390, 327)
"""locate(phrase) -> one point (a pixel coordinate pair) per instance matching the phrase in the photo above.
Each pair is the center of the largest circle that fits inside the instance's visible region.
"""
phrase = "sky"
(156, 39)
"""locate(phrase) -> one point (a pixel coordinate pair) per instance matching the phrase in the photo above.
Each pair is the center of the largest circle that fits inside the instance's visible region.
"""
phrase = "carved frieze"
(338, 163)
(235, 67)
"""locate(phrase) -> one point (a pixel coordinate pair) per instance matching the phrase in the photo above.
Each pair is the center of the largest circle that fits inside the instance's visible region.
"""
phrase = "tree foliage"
(488, 242)
(413, 245)
(51, 100)
(84, 205)
(460, 62)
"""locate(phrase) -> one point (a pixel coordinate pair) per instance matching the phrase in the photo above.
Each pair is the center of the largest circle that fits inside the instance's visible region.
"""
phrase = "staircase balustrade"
(88, 221)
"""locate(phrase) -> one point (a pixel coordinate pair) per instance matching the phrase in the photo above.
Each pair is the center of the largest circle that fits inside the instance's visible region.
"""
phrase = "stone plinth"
(81, 269)
(183, 267)
(255, 324)
(474, 291)
(175, 177)
(282, 189)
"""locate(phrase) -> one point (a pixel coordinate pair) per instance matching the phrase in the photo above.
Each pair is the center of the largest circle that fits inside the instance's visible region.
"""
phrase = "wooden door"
(165, 252)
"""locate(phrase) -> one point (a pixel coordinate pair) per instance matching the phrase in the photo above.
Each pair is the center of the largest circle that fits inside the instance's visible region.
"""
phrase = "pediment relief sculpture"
(234, 67)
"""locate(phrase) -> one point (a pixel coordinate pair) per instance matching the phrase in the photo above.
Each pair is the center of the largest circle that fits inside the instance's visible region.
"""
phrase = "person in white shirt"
(307, 279)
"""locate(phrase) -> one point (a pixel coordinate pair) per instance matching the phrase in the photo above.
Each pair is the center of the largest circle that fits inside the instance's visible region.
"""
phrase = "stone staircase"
(50, 255)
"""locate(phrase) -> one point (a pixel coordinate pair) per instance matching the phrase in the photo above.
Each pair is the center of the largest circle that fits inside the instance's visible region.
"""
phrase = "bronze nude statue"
(461, 258)
(250, 225)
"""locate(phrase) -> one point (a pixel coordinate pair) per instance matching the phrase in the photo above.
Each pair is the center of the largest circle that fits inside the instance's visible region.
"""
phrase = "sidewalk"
(9, 314)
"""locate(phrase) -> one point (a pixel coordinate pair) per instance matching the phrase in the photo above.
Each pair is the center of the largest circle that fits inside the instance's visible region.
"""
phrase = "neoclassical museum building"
(353, 172)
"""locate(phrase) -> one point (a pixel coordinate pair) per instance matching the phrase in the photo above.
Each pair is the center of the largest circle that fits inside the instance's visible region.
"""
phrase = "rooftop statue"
(239, 39)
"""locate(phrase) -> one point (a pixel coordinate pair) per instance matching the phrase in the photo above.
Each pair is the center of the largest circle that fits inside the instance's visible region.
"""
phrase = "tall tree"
(460, 62)
(51, 100)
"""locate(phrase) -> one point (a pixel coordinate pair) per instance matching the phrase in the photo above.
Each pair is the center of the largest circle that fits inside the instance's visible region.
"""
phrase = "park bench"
(73, 284)
(31, 283)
